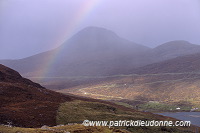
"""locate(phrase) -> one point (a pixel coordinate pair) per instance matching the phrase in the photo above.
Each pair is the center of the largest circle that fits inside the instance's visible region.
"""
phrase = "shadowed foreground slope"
(25, 103)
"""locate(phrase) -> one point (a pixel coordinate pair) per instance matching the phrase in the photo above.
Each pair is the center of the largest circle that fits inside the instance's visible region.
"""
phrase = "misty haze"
(68, 61)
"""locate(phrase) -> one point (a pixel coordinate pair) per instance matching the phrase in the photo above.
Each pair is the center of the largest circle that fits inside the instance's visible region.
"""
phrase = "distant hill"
(175, 49)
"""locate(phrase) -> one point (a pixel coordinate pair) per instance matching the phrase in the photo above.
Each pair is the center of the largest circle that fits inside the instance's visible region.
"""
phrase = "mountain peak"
(92, 39)
(96, 33)
(175, 44)
(178, 41)
(96, 29)
(176, 48)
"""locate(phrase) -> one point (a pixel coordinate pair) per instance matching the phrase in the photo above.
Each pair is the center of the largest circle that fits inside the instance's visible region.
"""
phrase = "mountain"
(175, 49)
(96, 51)
(25, 103)
(156, 62)
(92, 51)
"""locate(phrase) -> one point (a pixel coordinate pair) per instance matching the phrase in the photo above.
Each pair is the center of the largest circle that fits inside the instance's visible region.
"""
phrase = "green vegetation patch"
(78, 111)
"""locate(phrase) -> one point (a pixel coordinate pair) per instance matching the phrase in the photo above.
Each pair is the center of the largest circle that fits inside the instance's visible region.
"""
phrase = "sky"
(28, 27)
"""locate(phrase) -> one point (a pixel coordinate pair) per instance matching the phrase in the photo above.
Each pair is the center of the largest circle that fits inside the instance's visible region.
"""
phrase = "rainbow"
(84, 11)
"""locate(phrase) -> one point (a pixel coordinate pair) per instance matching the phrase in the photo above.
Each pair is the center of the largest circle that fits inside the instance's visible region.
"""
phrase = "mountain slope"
(170, 57)
(92, 51)
(183, 64)
(177, 89)
(25, 103)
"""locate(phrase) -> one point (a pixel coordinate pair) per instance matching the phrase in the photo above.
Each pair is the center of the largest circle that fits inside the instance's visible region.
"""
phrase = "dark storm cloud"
(28, 27)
